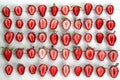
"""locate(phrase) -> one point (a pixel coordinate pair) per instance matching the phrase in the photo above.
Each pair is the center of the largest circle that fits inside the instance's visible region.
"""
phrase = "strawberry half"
(78, 24)
(77, 70)
(31, 9)
(53, 53)
(54, 10)
(113, 55)
(88, 23)
(19, 23)
(88, 7)
(43, 23)
(32, 69)
(88, 70)
(110, 24)
(31, 23)
(65, 9)
(43, 69)
(76, 10)
(6, 11)
(31, 52)
(100, 71)
(89, 53)
(54, 38)
(53, 70)
(31, 37)
(99, 9)
(21, 69)
(66, 70)
(99, 23)
(66, 23)
(18, 10)
(88, 37)
(7, 23)
(65, 53)
(76, 38)
(19, 53)
(42, 52)
(42, 10)
(77, 52)
(54, 24)
(19, 37)
(110, 9)
(9, 36)
(66, 38)
(42, 37)
(9, 69)
(101, 55)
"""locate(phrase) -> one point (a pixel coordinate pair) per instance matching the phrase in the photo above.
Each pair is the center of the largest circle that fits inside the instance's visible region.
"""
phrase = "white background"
(59, 62)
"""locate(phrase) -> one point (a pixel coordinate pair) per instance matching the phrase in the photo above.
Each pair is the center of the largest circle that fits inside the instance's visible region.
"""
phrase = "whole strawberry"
(88, 7)
(7, 53)
(78, 70)
(77, 52)
(9, 36)
(76, 10)
(99, 37)
(54, 38)
(53, 70)
(54, 10)
(99, 23)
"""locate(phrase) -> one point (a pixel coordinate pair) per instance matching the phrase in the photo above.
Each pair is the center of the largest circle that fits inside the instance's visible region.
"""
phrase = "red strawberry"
(110, 24)
(88, 7)
(77, 70)
(65, 9)
(53, 70)
(99, 37)
(89, 53)
(76, 38)
(7, 23)
(66, 23)
(99, 23)
(113, 55)
(53, 53)
(32, 69)
(31, 9)
(7, 53)
(42, 52)
(66, 70)
(31, 23)
(31, 37)
(77, 52)
(88, 70)
(42, 23)
(76, 10)
(19, 37)
(65, 53)
(99, 9)
(111, 39)
(88, 37)
(113, 71)
(66, 38)
(31, 52)
(42, 10)
(54, 24)
(19, 53)
(19, 23)
(88, 23)
(42, 36)
(9, 69)
(110, 9)
(54, 38)
(9, 36)
(101, 55)
(100, 71)
(18, 10)
(43, 69)
(21, 69)
(78, 24)
(54, 10)
(6, 11)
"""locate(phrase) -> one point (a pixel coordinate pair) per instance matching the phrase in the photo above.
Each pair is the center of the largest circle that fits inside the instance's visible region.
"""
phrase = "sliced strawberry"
(66, 23)
(89, 53)
(76, 10)
(42, 10)
(110, 9)
(43, 69)
(65, 53)
(113, 55)
(99, 37)
(21, 69)
(6, 11)
(88, 70)
(42, 52)
(78, 24)
(18, 10)
(66, 38)
(32, 69)
(31, 23)
(88, 23)
(9, 36)
(77, 70)
(101, 55)
(43, 23)
(76, 38)
(53, 53)
(19, 37)
(19, 23)
(66, 70)
(65, 9)
(88, 7)
(53, 70)
(54, 38)
(54, 24)
(9, 69)
(42, 37)
(7, 23)
(31, 52)
(19, 53)
(88, 37)
(99, 9)
(31, 37)
(110, 24)
(100, 71)
(31, 9)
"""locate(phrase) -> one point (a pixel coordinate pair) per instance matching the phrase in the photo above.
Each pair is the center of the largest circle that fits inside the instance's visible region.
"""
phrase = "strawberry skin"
(66, 38)
(9, 36)
(76, 38)
(101, 55)
(53, 70)
(100, 71)
(88, 70)
(99, 23)
(113, 55)
(77, 53)
(54, 10)
(54, 38)
(31, 9)
(90, 53)
(88, 7)
(65, 9)
(42, 10)
(99, 9)
(77, 70)
(54, 24)
(7, 53)
(19, 23)
(110, 24)
(43, 69)
(21, 69)
(6, 11)
(110, 9)
(18, 10)
(113, 71)
(99, 37)
(9, 69)
(76, 10)
(78, 24)
(7, 23)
